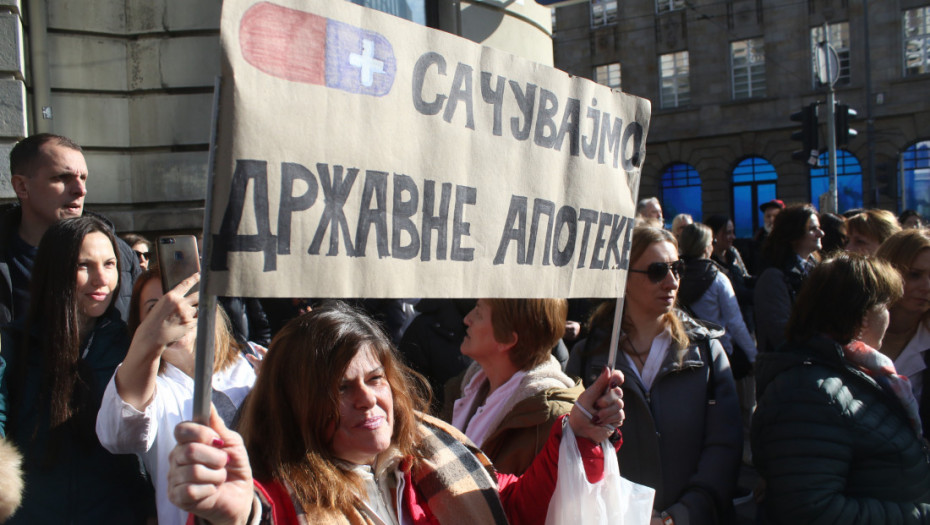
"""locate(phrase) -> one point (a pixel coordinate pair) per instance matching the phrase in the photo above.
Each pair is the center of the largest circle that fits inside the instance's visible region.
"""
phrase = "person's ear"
(505, 346)
(863, 326)
(19, 186)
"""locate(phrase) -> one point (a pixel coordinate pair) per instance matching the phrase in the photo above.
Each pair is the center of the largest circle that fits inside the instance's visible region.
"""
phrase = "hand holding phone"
(178, 259)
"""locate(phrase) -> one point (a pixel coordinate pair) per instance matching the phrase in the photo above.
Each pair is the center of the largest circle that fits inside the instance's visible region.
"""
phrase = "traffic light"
(843, 115)
(808, 136)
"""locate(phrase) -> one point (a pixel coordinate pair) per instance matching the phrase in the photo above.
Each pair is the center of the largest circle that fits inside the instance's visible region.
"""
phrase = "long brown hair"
(53, 312)
(602, 316)
(288, 418)
(643, 238)
(789, 228)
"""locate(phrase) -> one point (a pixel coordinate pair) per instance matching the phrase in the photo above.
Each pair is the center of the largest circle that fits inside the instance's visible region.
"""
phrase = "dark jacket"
(247, 319)
(683, 437)
(431, 343)
(833, 445)
(775, 291)
(69, 476)
(9, 224)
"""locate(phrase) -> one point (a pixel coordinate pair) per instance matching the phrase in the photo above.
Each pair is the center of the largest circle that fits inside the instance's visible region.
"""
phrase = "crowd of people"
(805, 355)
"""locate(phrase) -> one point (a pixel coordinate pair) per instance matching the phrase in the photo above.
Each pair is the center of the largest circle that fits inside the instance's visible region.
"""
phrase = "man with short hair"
(649, 212)
(49, 176)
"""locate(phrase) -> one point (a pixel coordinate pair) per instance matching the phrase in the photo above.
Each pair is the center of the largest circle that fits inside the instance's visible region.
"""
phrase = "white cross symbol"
(367, 62)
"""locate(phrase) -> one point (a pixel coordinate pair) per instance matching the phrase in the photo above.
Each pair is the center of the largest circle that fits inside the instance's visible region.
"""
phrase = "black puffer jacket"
(832, 445)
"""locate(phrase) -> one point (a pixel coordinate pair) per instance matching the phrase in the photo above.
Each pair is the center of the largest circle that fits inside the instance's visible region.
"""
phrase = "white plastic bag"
(611, 501)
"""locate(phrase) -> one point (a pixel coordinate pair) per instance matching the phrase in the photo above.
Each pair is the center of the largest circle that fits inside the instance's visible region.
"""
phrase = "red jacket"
(525, 498)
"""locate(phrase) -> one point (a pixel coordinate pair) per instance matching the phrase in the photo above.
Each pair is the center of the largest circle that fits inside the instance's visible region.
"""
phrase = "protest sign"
(362, 155)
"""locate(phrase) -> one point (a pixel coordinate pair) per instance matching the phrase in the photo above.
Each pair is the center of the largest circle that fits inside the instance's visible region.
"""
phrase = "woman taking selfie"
(356, 448)
(153, 389)
(58, 363)
(683, 432)
(836, 434)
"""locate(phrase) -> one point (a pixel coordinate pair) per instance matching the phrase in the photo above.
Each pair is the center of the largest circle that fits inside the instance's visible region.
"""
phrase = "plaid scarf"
(881, 368)
(456, 479)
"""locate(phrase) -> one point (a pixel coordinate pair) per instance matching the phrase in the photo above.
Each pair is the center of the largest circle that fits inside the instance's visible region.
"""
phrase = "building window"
(664, 6)
(414, 10)
(754, 181)
(914, 170)
(916, 41)
(603, 12)
(848, 181)
(747, 64)
(681, 192)
(839, 40)
(675, 87)
(608, 74)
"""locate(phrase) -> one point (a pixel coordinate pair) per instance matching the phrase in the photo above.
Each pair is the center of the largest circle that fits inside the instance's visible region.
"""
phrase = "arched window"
(753, 184)
(681, 192)
(914, 170)
(848, 180)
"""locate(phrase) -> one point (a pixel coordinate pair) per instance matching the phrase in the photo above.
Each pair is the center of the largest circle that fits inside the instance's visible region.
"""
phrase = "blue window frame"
(914, 171)
(848, 180)
(681, 192)
(753, 181)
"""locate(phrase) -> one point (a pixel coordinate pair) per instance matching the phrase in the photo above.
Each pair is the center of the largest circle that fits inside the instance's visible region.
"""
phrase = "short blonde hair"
(874, 224)
(694, 239)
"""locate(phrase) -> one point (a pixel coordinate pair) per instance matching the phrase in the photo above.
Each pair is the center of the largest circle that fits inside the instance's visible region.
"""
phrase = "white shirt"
(911, 361)
(479, 427)
(657, 353)
(124, 430)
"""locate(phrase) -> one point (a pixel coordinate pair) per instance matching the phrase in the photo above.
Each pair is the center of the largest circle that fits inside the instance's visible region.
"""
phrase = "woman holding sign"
(335, 434)
(683, 432)
(58, 362)
(514, 392)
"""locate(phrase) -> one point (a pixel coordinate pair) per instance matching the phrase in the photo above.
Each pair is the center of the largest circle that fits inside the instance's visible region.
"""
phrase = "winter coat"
(684, 436)
(9, 224)
(69, 476)
(832, 445)
(545, 394)
(738, 274)
(451, 486)
(431, 343)
(774, 296)
(708, 293)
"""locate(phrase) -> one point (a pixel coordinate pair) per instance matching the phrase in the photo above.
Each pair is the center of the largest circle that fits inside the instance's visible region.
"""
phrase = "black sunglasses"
(657, 271)
(143, 256)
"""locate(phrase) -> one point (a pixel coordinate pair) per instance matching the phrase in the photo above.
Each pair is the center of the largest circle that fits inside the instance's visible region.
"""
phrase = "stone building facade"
(725, 75)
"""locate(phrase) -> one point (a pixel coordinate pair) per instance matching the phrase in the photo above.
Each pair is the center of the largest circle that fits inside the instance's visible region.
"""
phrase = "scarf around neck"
(881, 368)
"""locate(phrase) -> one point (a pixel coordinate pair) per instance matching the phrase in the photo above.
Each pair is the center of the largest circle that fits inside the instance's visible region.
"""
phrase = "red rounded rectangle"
(285, 43)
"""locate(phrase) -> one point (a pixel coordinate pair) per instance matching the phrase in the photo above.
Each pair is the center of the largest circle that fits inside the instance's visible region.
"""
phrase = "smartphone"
(178, 259)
